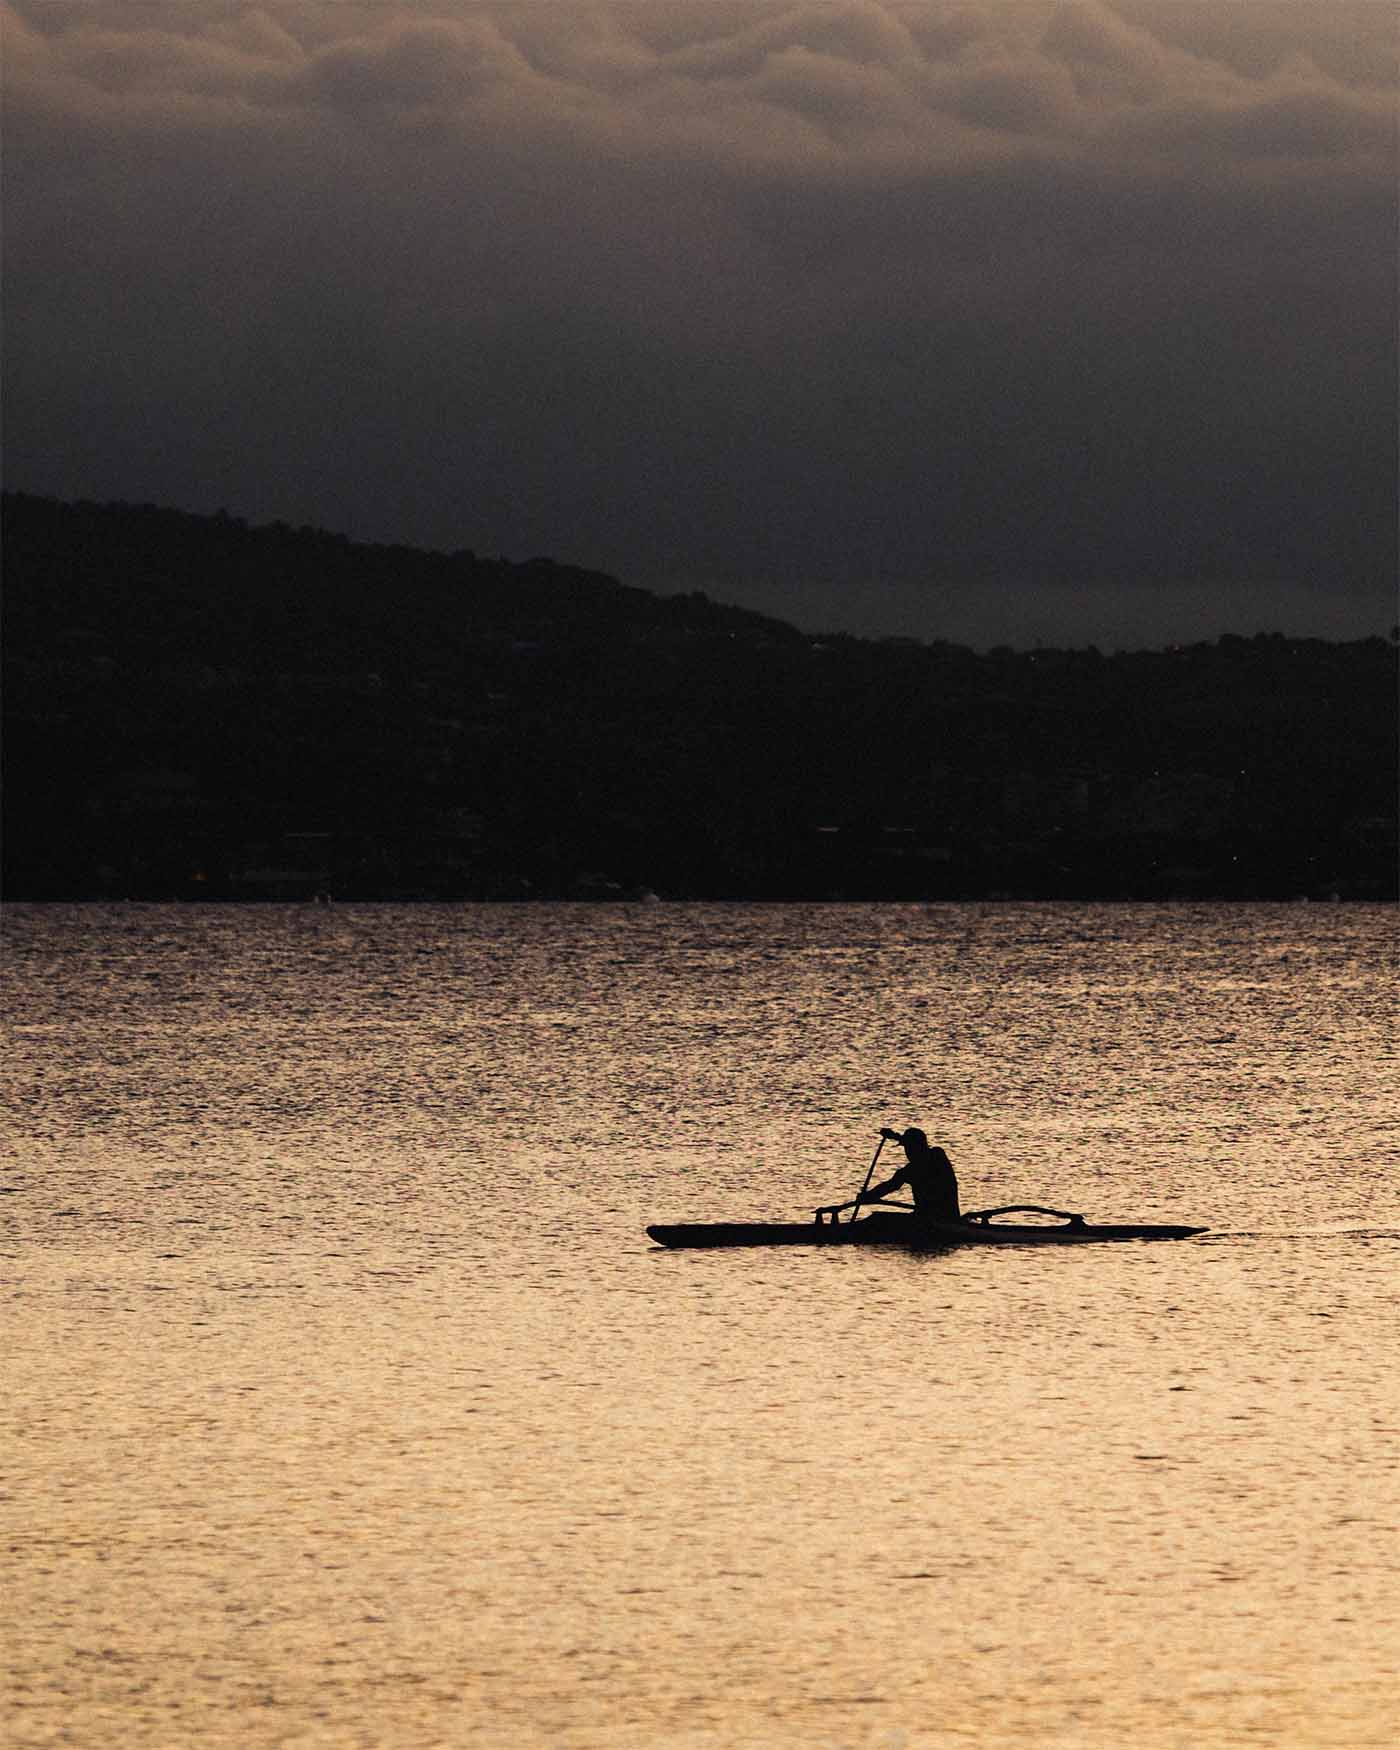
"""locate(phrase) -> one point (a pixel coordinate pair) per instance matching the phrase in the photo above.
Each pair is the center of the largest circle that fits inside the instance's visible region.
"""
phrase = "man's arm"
(877, 1191)
(871, 1196)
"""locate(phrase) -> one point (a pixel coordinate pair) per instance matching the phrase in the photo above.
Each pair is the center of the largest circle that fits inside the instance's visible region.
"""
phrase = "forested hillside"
(196, 708)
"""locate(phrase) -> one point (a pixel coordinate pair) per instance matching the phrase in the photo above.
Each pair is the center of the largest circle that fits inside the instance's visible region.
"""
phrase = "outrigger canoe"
(883, 1229)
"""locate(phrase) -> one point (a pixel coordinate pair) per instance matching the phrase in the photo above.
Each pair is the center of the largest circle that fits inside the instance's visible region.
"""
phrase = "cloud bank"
(1006, 321)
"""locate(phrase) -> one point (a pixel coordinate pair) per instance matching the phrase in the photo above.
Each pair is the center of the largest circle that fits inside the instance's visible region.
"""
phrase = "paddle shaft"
(869, 1175)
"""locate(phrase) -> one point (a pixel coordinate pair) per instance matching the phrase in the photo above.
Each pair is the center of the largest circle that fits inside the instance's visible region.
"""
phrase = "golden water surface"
(348, 1404)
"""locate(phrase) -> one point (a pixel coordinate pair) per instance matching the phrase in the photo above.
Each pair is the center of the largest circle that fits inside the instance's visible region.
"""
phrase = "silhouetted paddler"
(927, 1172)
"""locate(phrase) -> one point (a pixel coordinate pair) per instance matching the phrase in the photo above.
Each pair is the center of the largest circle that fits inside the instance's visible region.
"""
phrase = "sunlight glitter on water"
(351, 1404)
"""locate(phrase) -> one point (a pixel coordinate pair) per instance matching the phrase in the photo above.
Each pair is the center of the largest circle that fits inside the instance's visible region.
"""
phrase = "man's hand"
(891, 1136)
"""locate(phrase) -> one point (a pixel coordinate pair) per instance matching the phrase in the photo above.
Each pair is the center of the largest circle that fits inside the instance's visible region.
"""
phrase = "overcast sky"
(1015, 321)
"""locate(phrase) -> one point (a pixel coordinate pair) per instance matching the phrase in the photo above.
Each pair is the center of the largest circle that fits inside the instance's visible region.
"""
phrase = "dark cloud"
(1022, 320)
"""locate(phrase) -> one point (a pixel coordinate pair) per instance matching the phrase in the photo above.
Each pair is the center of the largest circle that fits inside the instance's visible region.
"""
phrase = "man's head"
(915, 1142)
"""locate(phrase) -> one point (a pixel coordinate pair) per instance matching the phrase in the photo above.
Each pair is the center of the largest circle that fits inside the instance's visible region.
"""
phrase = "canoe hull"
(903, 1230)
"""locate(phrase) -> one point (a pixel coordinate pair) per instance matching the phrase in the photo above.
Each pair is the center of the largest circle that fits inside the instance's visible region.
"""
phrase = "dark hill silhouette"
(200, 708)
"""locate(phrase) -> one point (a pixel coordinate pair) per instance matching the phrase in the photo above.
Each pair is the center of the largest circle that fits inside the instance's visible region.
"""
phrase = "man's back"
(929, 1175)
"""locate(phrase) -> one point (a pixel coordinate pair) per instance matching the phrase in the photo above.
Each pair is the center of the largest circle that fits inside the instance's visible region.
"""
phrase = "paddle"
(834, 1209)
(869, 1175)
